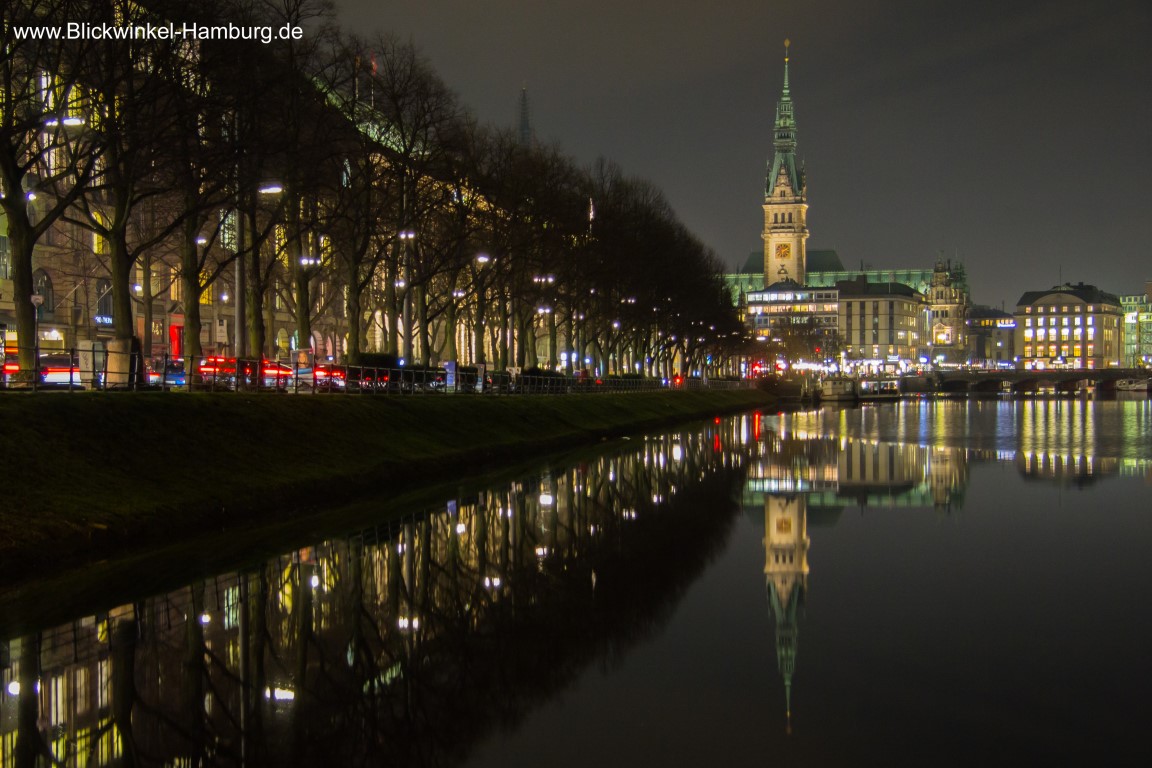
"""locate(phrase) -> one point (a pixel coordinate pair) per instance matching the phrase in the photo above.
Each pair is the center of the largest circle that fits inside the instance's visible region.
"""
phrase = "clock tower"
(785, 199)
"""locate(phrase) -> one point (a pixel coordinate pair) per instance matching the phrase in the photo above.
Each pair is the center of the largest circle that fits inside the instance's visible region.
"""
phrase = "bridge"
(1062, 380)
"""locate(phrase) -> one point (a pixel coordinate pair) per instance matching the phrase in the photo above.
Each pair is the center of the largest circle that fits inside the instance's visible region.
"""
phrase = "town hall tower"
(785, 199)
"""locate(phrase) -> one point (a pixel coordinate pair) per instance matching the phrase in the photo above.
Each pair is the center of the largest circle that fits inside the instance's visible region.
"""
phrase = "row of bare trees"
(339, 174)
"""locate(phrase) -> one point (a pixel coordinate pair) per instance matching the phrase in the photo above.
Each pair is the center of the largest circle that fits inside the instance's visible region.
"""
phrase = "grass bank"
(91, 469)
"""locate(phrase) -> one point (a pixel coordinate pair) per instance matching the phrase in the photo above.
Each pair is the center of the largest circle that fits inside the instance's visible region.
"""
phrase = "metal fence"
(71, 370)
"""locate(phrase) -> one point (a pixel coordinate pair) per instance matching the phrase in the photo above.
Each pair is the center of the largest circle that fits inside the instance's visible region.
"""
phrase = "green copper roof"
(784, 142)
(824, 261)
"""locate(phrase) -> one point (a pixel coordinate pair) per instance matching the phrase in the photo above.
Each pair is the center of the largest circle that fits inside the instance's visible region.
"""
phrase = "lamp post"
(37, 302)
(240, 340)
(405, 282)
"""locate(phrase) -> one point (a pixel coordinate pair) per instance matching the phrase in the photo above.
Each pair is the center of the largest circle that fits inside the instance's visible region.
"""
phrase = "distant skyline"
(1015, 138)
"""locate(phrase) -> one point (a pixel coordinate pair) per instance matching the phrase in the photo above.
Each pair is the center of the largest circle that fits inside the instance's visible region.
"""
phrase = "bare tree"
(46, 147)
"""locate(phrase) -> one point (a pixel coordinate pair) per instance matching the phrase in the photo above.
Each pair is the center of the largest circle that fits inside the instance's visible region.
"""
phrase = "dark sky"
(1013, 136)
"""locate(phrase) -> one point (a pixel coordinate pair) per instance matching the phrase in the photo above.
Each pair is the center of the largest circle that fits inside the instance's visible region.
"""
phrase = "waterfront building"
(800, 318)
(948, 307)
(1069, 326)
(1138, 328)
(991, 336)
(882, 325)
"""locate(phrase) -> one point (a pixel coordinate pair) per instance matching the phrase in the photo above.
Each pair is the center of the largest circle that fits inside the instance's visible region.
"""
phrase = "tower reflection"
(803, 473)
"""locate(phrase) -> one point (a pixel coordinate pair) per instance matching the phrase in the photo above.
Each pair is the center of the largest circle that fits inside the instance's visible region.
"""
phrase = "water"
(926, 583)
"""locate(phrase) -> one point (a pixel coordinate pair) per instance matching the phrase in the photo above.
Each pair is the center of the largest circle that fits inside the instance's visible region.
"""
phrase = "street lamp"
(406, 237)
(37, 302)
(266, 188)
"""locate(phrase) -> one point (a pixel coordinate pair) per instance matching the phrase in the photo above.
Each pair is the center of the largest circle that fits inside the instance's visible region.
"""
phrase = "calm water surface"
(928, 583)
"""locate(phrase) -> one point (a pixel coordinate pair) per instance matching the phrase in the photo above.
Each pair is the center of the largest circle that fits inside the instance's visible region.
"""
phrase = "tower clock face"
(783, 250)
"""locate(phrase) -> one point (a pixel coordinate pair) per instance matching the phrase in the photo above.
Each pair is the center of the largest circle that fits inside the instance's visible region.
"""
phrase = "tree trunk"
(20, 241)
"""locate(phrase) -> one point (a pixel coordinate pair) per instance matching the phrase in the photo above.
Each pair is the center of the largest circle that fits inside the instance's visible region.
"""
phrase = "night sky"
(1014, 137)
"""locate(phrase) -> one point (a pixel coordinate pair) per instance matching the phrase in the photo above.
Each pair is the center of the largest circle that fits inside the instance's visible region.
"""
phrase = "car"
(221, 372)
(541, 381)
(273, 374)
(215, 371)
(56, 369)
(167, 373)
(498, 382)
(325, 377)
(420, 378)
(60, 369)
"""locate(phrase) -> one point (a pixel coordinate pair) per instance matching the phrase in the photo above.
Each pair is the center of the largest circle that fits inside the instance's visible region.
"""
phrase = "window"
(5, 259)
(104, 297)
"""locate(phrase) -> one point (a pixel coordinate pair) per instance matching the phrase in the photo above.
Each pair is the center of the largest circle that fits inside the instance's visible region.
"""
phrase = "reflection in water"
(410, 642)
(400, 645)
(786, 576)
(822, 462)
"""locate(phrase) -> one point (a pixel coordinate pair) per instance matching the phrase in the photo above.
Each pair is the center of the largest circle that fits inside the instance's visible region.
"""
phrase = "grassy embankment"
(88, 467)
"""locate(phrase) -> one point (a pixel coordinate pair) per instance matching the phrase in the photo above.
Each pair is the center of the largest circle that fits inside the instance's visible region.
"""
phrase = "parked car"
(326, 377)
(541, 381)
(56, 369)
(420, 378)
(60, 369)
(498, 382)
(167, 373)
(273, 374)
(222, 372)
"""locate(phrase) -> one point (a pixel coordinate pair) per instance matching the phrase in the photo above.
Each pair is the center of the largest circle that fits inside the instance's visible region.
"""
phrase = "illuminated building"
(788, 310)
(1069, 326)
(1138, 328)
(948, 307)
(991, 336)
(881, 324)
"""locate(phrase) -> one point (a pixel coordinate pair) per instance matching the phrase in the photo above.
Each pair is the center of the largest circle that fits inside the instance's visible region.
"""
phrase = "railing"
(74, 370)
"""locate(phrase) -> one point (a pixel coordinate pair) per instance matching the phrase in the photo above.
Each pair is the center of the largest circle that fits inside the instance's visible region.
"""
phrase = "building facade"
(948, 306)
(1069, 326)
(1138, 328)
(882, 325)
(991, 337)
(801, 319)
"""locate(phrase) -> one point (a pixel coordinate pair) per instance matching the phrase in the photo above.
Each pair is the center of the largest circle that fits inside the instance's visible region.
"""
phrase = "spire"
(525, 123)
(787, 43)
(784, 140)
